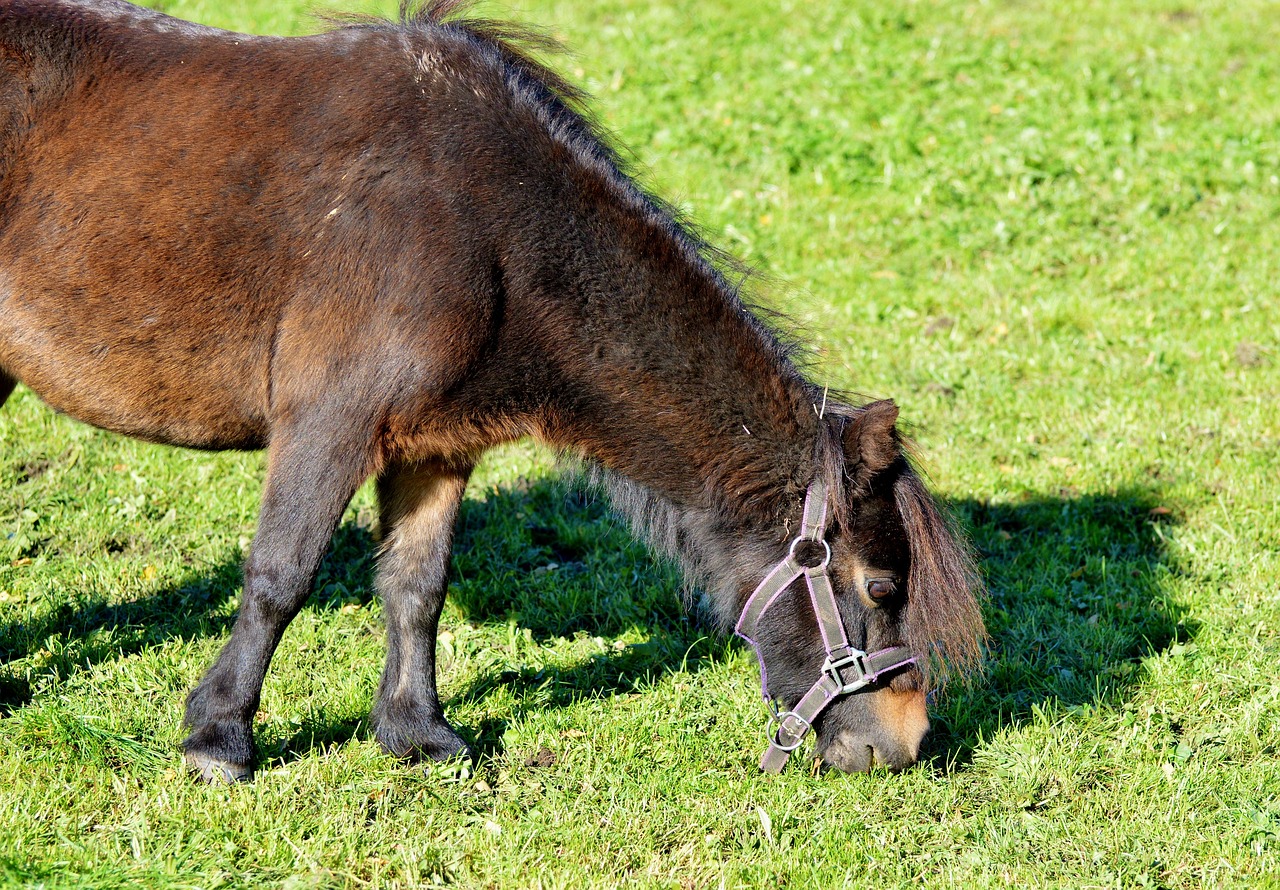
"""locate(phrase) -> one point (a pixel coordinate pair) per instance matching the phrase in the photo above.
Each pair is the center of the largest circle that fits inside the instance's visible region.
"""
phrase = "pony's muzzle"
(880, 729)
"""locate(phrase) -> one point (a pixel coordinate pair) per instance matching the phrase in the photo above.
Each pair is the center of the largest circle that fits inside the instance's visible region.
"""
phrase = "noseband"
(845, 669)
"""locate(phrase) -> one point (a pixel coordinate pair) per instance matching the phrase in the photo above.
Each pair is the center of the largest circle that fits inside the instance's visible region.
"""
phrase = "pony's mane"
(944, 613)
(563, 110)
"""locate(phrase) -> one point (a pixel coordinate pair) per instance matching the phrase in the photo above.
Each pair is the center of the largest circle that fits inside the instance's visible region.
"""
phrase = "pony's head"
(903, 584)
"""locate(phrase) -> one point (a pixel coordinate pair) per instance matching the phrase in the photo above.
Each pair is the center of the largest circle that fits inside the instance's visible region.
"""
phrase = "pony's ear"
(871, 442)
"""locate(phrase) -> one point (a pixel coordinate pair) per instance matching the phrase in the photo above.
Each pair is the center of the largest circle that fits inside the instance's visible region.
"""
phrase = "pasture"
(1051, 234)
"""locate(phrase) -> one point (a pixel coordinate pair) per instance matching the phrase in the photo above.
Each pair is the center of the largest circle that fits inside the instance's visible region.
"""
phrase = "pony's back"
(175, 200)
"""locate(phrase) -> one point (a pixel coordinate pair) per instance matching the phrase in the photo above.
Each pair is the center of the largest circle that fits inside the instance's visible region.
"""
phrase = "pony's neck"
(661, 374)
(679, 387)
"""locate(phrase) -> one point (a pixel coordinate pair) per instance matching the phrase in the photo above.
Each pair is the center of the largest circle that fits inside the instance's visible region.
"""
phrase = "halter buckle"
(856, 659)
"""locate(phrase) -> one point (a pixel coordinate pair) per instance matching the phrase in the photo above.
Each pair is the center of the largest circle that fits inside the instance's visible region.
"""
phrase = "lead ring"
(782, 719)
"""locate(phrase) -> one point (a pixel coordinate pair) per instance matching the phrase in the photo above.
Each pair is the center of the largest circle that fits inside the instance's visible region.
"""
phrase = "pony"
(379, 251)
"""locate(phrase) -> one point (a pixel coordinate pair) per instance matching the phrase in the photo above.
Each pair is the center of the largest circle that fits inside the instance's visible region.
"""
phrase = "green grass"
(1050, 231)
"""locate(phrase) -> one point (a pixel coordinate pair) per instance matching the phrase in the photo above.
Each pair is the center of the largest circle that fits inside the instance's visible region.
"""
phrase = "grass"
(1049, 232)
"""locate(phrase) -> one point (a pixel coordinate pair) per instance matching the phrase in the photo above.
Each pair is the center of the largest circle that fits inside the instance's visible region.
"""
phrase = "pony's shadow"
(1078, 595)
(547, 559)
(87, 629)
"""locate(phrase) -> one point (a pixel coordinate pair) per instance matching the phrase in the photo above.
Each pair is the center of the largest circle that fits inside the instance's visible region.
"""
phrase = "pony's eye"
(880, 588)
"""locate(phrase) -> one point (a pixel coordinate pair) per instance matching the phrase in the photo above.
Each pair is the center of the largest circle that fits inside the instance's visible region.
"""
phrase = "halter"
(845, 669)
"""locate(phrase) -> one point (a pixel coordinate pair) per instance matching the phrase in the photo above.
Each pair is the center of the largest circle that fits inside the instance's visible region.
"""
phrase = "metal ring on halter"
(772, 734)
(826, 559)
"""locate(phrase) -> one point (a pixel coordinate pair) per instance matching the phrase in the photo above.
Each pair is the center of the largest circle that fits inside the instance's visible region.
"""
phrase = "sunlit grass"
(1049, 232)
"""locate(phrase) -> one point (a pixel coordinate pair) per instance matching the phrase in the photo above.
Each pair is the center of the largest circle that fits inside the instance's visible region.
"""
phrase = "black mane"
(563, 110)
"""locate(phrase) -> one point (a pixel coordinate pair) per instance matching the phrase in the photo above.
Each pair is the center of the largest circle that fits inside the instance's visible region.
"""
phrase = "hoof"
(438, 749)
(213, 771)
(219, 752)
(431, 739)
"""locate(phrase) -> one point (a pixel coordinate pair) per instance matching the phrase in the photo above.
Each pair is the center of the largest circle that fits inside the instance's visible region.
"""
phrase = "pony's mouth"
(892, 740)
(851, 753)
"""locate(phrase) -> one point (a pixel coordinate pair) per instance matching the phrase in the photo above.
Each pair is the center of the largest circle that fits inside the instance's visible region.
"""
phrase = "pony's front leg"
(419, 503)
(7, 384)
(311, 476)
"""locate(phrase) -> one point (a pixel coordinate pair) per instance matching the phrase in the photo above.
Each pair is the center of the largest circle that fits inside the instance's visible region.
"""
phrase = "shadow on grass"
(1076, 600)
(552, 561)
(85, 630)
(599, 676)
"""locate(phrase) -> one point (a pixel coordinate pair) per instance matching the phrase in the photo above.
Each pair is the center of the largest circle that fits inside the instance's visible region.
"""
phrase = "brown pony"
(380, 251)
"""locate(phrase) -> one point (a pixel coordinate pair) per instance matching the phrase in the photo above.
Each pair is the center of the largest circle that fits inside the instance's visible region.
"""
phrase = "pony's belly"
(163, 386)
(207, 422)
